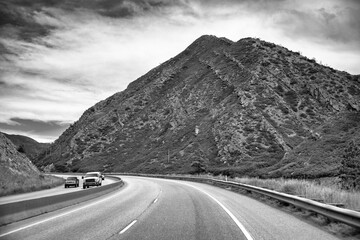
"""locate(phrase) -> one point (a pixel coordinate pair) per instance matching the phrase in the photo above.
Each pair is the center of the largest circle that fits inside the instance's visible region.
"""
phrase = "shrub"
(288, 188)
(330, 193)
(353, 90)
(265, 63)
(114, 119)
(312, 71)
(60, 168)
(284, 109)
(303, 115)
(279, 89)
(350, 167)
(198, 167)
(310, 112)
(21, 149)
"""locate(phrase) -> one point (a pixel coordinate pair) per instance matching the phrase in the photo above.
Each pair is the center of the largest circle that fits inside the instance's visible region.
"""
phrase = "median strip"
(16, 211)
(57, 216)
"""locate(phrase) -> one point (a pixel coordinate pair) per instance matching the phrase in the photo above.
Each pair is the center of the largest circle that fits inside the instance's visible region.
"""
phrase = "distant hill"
(248, 107)
(15, 167)
(18, 174)
(27, 145)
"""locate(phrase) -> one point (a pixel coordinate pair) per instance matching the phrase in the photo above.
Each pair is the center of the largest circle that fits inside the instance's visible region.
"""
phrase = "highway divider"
(16, 211)
(338, 214)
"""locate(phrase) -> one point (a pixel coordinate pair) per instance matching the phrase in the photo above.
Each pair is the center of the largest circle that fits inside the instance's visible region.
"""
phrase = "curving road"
(49, 192)
(147, 208)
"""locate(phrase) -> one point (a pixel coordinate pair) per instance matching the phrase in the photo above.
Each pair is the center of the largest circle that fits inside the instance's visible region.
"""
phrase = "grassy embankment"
(30, 184)
(308, 189)
(326, 192)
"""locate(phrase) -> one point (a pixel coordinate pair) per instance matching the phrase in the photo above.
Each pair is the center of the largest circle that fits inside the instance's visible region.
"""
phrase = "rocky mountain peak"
(207, 42)
(245, 106)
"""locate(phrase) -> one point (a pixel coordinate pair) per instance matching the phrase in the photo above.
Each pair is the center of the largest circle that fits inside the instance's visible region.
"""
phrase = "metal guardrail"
(347, 216)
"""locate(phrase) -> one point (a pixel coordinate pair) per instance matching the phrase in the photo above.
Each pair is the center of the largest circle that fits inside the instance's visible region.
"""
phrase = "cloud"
(333, 24)
(38, 130)
(58, 58)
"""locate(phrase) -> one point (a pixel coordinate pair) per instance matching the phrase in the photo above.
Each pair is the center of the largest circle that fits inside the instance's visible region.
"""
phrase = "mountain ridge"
(16, 168)
(243, 106)
(30, 147)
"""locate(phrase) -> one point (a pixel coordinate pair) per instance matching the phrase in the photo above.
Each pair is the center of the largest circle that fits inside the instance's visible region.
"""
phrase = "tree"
(60, 168)
(350, 167)
(198, 167)
(21, 149)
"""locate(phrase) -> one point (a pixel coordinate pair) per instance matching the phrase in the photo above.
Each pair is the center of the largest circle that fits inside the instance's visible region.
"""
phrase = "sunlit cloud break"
(60, 58)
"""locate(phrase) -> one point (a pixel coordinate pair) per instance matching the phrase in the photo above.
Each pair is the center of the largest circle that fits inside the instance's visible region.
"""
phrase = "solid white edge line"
(128, 226)
(238, 223)
(156, 200)
(57, 216)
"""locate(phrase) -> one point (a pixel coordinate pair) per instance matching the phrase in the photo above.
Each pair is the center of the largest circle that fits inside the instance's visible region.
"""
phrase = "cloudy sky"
(60, 57)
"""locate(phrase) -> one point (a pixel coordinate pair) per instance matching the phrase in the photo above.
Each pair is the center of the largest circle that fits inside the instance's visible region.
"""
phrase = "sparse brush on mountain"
(350, 166)
(239, 108)
(326, 192)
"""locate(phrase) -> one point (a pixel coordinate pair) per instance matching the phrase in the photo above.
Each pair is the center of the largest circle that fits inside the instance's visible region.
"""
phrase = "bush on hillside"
(198, 167)
(21, 149)
(60, 168)
(350, 167)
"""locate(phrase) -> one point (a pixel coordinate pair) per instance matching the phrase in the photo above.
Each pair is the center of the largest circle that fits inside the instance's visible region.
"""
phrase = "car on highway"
(92, 179)
(71, 181)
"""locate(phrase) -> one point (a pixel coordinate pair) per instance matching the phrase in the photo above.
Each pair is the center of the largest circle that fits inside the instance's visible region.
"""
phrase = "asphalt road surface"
(147, 208)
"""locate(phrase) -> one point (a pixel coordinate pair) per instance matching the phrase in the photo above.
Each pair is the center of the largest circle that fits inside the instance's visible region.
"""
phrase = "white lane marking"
(57, 216)
(133, 222)
(238, 223)
(128, 226)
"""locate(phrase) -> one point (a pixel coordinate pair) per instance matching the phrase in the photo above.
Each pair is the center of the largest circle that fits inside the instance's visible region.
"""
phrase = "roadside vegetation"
(30, 184)
(326, 190)
(319, 191)
(323, 190)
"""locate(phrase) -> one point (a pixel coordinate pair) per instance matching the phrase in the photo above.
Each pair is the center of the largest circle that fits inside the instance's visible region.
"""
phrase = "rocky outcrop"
(245, 106)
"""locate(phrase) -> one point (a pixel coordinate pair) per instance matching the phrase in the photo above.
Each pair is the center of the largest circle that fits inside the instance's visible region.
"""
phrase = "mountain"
(26, 145)
(248, 107)
(15, 168)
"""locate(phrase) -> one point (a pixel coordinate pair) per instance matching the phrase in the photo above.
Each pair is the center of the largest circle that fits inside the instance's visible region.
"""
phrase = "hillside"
(27, 145)
(15, 167)
(248, 107)
(18, 174)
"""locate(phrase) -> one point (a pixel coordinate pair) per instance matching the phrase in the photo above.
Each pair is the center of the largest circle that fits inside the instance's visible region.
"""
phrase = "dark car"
(71, 181)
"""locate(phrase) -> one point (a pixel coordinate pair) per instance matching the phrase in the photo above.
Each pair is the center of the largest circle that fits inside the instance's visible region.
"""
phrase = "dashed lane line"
(127, 227)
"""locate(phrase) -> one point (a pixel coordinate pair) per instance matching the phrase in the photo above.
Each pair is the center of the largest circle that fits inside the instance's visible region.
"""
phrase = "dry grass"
(29, 184)
(308, 189)
(325, 192)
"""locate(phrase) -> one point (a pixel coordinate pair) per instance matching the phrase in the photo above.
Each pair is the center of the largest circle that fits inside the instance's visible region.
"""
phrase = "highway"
(49, 192)
(149, 208)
